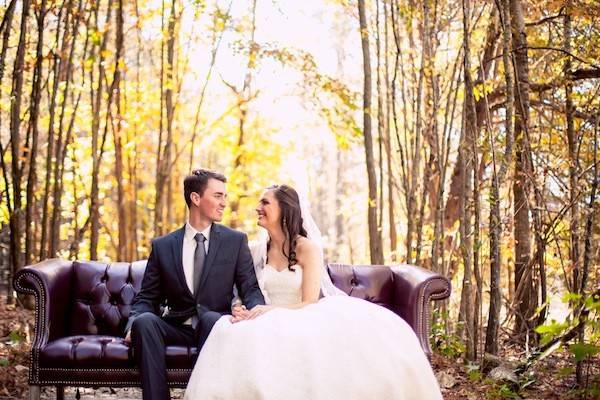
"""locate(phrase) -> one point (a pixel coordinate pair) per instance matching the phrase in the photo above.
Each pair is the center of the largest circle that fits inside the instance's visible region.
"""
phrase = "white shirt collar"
(190, 231)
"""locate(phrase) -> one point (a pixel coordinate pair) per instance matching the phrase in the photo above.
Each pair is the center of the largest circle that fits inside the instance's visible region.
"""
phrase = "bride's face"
(268, 210)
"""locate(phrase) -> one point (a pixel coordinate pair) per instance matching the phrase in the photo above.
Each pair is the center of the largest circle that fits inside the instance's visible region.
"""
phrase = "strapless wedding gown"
(338, 348)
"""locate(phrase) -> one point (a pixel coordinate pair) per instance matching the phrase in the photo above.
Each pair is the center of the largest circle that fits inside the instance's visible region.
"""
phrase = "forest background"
(458, 135)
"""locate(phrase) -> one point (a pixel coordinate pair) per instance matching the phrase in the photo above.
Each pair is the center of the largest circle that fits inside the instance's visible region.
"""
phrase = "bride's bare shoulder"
(305, 246)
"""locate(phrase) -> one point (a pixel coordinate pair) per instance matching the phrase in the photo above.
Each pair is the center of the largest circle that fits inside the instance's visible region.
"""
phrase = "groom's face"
(212, 202)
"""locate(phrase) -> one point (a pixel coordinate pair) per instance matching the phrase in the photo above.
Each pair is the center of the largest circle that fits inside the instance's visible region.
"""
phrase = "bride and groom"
(275, 339)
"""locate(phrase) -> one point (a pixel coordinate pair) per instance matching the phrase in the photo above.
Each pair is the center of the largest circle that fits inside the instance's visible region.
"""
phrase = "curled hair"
(291, 220)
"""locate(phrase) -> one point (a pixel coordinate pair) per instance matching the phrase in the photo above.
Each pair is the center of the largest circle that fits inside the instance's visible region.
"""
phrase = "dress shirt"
(189, 247)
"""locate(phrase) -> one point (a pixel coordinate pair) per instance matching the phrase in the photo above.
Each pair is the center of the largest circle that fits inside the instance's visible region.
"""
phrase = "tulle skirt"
(339, 348)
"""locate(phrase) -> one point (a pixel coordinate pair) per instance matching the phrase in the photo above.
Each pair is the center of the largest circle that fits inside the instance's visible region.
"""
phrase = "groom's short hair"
(197, 181)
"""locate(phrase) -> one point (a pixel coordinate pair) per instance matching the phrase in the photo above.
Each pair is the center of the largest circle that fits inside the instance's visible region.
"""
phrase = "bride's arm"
(309, 257)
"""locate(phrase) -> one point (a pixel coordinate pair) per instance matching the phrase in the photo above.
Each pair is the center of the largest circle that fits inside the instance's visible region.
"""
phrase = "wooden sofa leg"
(60, 393)
(34, 392)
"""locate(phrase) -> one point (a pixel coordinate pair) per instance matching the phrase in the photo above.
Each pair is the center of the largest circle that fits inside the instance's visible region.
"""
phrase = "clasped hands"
(240, 313)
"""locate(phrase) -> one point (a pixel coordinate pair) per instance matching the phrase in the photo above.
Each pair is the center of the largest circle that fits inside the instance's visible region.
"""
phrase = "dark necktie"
(199, 256)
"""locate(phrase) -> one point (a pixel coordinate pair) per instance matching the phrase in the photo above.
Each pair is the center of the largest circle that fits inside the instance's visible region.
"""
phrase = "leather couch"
(81, 308)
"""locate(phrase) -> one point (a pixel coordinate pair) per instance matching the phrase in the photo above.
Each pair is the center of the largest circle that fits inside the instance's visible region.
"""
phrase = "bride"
(301, 347)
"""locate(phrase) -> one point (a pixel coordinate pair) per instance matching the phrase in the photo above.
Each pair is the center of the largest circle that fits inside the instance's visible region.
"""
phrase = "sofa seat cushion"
(100, 351)
(92, 351)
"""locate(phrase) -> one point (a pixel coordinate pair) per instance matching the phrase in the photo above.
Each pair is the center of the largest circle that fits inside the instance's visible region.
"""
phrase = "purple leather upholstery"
(82, 308)
(102, 296)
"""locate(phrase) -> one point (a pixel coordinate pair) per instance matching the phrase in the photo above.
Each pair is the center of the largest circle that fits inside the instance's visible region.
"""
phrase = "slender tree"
(16, 233)
(375, 247)
(525, 296)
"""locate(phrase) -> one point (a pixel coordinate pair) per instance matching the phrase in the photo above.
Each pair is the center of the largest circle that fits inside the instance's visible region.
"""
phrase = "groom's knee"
(208, 319)
(205, 324)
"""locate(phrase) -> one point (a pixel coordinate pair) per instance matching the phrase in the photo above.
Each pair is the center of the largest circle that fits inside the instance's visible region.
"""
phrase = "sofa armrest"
(50, 283)
(415, 288)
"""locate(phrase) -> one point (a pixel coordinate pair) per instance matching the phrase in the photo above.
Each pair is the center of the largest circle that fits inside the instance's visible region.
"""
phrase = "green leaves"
(15, 337)
(551, 330)
(583, 350)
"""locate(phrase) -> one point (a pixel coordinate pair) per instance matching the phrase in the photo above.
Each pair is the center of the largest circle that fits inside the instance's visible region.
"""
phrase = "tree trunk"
(33, 123)
(61, 149)
(6, 30)
(388, 141)
(467, 137)
(380, 120)
(375, 247)
(15, 136)
(117, 134)
(97, 148)
(495, 231)
(525, 296)
(170, 111)
(165, 150)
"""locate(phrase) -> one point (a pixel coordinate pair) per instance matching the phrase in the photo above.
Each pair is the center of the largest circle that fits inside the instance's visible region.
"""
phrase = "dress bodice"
(283, 287)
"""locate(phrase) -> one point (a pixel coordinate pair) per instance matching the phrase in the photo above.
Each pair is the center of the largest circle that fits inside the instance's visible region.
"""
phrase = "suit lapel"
(213, 248)
(177, 248)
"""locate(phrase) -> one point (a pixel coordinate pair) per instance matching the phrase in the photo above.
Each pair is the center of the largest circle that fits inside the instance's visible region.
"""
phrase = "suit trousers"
(150, 335)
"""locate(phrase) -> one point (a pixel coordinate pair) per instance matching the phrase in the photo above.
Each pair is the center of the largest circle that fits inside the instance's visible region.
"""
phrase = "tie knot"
(199, 238)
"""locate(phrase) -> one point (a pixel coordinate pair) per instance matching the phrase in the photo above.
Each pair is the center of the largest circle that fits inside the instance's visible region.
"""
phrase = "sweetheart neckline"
(277, 270)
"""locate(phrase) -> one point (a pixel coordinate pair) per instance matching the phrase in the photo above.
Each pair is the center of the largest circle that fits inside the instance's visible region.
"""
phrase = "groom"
(193, 271)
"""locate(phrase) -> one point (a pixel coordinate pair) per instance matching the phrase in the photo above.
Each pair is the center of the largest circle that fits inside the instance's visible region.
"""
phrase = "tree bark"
(498, 173)
(375, 247)
(33, 123)
(467, 137)
(97, 148)
(15, 136)
(165, 150)
(61, 149)
(525, 296)
(388, 142)
(117, 135)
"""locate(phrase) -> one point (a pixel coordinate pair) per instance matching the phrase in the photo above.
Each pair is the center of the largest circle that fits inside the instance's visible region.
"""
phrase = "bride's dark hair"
(290, 221)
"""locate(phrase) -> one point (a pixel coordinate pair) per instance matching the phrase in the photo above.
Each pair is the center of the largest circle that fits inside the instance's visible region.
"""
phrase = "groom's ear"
(194, 198)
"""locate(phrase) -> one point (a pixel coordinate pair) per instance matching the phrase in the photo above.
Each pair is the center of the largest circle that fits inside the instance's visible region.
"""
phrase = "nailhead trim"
(424, 324)
(40, 322)
(106, 383)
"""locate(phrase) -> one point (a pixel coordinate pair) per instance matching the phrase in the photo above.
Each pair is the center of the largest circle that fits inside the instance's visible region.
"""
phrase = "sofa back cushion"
(368, 282)
(103, 293)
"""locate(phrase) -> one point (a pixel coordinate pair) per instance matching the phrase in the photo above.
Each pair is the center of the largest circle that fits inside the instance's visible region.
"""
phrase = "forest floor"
(552, 378)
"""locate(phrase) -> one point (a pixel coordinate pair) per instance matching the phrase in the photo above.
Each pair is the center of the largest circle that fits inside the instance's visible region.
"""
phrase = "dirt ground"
(551, 379)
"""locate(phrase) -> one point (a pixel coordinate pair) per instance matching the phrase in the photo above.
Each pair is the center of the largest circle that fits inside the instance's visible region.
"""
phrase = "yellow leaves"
(342, 142)
(106, 53)
(554, 5)
(95, 37)
(481, 89)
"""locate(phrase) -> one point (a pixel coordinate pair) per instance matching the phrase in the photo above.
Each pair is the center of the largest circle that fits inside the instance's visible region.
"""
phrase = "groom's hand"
(127, 338)
(239, 313)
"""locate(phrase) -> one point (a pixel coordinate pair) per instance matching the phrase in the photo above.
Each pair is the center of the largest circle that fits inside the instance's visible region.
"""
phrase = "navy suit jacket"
(227, 263)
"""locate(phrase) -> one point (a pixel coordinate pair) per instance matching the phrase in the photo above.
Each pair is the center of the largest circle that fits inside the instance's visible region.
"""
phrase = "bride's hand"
(258, 310)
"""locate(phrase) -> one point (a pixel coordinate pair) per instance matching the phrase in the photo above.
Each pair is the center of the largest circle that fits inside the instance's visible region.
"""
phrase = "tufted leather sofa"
(81, 308)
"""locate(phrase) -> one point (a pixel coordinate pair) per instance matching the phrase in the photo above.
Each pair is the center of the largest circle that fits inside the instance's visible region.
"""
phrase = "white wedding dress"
(338, 348)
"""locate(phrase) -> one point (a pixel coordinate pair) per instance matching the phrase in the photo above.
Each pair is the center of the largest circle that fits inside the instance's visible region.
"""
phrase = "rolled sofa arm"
(415, 288)
(50, 282)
